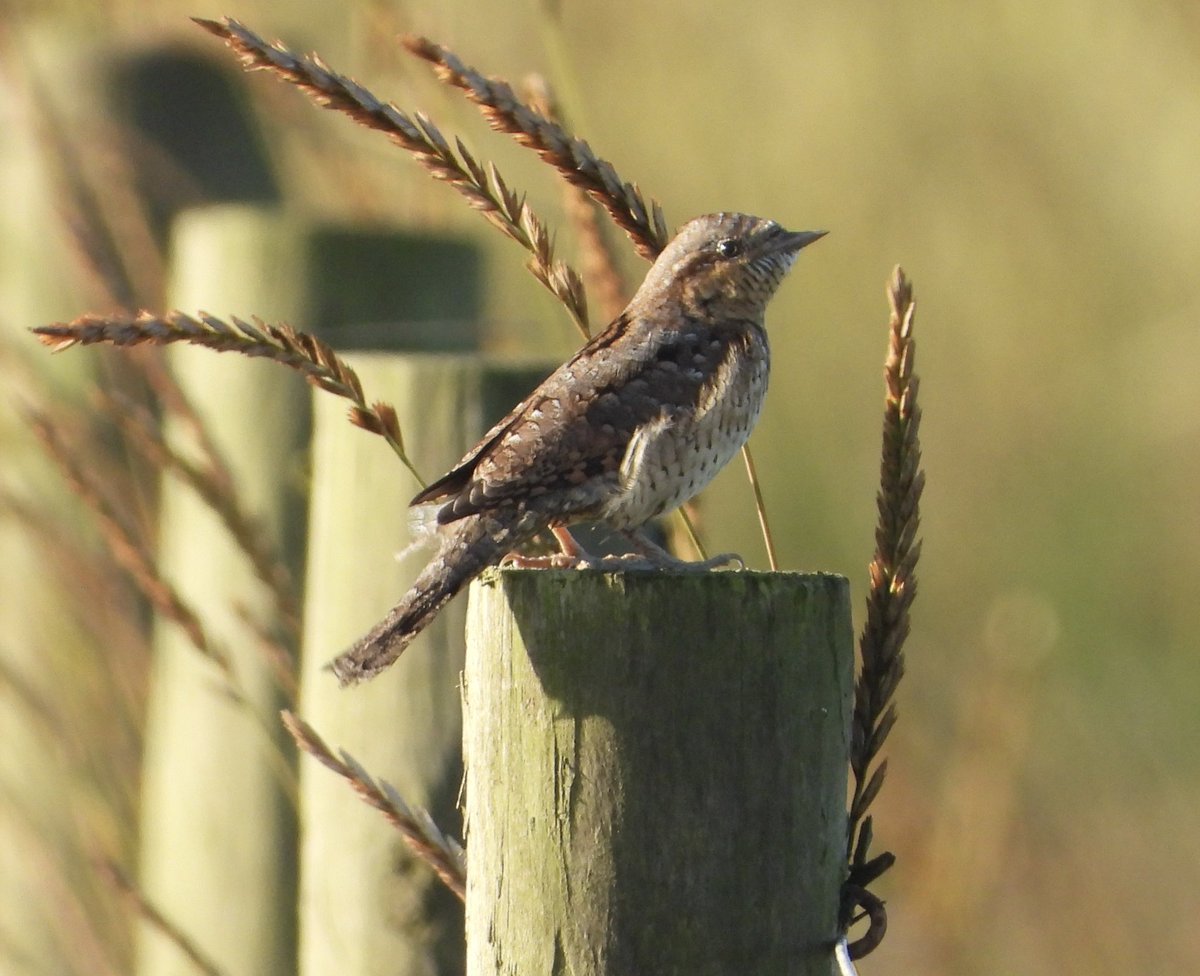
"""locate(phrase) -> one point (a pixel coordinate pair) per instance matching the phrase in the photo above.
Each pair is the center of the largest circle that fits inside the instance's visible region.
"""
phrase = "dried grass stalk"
(598, 263)
(893, 588)
(421, 834)
(600, 272)
(176, 404)
(124, 886)
(315, 359)
(216, 490)
(109, 232)
(129, 551)
(572, 157)
(760, 507)
(280, 657)
(483, 187)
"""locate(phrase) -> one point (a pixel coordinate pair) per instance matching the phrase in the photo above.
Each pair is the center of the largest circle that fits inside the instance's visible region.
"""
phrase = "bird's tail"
(474, 543)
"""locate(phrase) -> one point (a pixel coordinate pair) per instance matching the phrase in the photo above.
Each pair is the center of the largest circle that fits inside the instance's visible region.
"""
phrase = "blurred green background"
(1035, 167)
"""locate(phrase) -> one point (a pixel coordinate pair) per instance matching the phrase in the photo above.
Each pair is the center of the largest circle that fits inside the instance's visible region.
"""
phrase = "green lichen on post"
(656, 771)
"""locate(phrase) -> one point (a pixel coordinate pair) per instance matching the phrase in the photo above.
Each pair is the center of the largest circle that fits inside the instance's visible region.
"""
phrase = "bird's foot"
(646, 556)
(587, 560)
(554, 560)
(571, 555)
(659, 558)
(721, 560)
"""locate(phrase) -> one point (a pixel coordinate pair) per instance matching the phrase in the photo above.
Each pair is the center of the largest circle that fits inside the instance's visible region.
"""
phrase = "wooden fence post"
(217, 833)
(219, 845)
(656, 772)
(368, 907)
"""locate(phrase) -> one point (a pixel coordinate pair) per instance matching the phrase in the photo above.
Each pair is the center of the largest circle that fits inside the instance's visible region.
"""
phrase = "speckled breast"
(676, 455)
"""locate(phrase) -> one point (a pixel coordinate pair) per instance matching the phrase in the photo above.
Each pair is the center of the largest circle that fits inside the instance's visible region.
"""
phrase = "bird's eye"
(729, 247)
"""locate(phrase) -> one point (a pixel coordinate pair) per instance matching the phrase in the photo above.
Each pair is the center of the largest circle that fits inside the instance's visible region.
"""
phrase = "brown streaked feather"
(456, 480)
(458, 477)
(560, 451)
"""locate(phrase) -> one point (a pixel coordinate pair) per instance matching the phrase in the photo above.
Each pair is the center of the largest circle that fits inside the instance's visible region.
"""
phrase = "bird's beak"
(793, 241)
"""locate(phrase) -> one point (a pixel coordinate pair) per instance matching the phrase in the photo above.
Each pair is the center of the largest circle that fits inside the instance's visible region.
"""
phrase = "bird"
(638, 421)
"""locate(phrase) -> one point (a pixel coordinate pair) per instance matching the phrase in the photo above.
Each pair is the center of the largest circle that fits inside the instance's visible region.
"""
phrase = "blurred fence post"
(656, 772)
(217, 823)
(69, 159)
(220, 844)
(368, 907)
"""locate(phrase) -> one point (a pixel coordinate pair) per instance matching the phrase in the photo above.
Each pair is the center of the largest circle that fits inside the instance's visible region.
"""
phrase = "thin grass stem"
(422, 835)
(761, 508)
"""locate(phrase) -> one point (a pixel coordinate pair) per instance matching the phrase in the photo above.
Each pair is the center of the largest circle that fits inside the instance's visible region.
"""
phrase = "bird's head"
(725, 264)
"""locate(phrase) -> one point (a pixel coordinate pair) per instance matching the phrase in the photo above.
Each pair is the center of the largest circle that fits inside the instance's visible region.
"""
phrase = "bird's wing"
(561, 448)
(454, 481)
(458, 477)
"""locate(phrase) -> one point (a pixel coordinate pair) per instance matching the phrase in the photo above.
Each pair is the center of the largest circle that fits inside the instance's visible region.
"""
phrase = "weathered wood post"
(656, 772)
(217, 829)
(407, 315)
(368, 907)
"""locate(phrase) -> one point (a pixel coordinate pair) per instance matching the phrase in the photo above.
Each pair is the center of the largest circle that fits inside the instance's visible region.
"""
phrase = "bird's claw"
(580, 560)
(554, 560)
(665, 560)
(719, 561)
(647, 556)
(658, 557)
